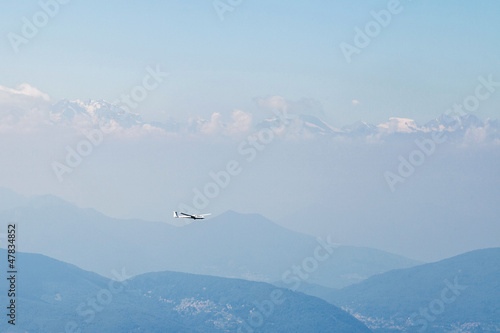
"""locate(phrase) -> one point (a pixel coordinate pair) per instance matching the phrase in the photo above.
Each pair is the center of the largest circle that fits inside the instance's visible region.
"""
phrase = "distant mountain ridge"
(459, 294)
(230, 245)
(57, 297)
(103, 113)
(96, 112)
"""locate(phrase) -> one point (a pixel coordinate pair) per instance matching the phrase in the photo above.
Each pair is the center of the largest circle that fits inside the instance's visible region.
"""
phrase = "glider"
(180, 215)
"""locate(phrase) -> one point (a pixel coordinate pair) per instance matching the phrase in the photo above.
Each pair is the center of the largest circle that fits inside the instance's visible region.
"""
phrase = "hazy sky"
(226, 71)
(426, 58)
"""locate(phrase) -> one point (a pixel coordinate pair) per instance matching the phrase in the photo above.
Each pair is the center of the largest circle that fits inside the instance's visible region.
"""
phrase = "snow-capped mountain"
(312, 125)
(446, 123)
(102, 113)
(300, 124)
(399, 125)
(93, 112)
(360, 128)
(316, 125)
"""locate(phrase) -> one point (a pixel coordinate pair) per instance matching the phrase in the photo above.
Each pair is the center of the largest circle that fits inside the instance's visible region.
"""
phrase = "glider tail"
(176, 215)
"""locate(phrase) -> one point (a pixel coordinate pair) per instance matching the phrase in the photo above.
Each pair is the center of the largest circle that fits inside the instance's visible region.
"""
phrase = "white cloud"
(24, 89)
(399, 125)
(475, 135)
(214, 125)
(22, 106)
(23, 109)
(114, 129)
(273, 102)
(242, 122)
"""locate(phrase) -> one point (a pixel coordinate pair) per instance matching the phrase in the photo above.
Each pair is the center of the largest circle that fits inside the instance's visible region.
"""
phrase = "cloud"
(241, 123)
(23, 108)
(399, 125)
(15, 103)
(214, 125)
(24, 90)
(475, 135)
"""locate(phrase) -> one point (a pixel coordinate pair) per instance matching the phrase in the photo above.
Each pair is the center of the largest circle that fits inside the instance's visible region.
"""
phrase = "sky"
(425, 59)
(214, 73)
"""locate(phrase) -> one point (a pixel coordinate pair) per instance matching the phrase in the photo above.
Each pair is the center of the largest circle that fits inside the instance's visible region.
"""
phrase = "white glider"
(180, 215)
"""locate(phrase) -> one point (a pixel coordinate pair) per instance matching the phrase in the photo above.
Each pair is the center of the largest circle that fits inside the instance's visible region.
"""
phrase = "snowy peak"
(310, 126)
(399, 125)
(92, 112)
(448, 123)
(300, 124)
(316, 125)
(360, 128)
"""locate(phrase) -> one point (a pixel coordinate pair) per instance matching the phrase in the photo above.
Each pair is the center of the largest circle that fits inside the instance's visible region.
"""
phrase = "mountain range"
(53, 296)
(236, 245)
(103, 113)
(459, 294)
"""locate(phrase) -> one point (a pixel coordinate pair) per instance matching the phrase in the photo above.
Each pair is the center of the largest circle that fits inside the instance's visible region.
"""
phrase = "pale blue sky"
(426, 59)
(429, 57)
